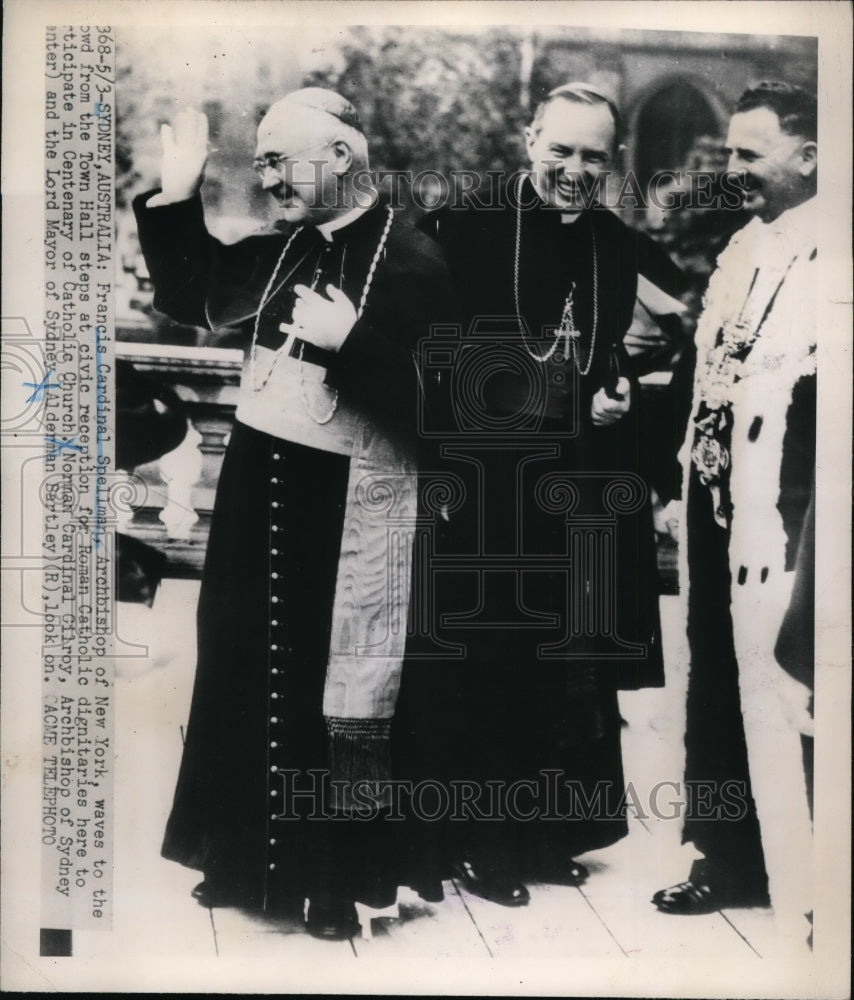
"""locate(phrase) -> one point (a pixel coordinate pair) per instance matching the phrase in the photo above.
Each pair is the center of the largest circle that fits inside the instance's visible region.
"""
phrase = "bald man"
(298, 659)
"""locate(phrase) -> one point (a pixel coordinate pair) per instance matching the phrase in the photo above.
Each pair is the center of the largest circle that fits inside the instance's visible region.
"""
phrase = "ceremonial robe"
(748, 467)
(544, 574)
(258, 736)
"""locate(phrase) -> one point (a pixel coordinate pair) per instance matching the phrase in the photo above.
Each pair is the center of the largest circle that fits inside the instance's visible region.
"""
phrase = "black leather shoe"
(430, 892)
(687, 899)
(331, 919)
(566, 873)
(697, 896)
(491, 885)
(212, 895)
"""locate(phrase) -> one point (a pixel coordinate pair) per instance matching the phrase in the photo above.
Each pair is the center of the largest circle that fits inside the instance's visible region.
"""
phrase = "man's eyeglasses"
(277, 161)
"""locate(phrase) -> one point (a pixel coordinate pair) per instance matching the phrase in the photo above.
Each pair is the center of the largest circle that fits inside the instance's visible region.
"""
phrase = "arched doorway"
(667, 123)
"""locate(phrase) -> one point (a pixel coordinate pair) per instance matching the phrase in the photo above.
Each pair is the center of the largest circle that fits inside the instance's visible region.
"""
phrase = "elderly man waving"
(331, 302)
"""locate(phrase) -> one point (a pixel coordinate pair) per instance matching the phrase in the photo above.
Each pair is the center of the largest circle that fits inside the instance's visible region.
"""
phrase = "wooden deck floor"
(604, 938)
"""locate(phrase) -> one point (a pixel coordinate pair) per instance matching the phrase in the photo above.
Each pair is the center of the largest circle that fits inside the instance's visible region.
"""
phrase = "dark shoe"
(491, 885)
(687, 899)
(696, 897)
(430, 892)
(566, 873)
(704, 894)
(212, 895)
(331, 919)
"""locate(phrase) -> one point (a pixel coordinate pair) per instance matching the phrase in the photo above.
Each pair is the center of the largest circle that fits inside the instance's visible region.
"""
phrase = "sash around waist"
(277, 396)
(287, 399)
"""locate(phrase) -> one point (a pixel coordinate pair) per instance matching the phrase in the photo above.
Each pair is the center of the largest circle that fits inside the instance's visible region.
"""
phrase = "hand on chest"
(320, 265)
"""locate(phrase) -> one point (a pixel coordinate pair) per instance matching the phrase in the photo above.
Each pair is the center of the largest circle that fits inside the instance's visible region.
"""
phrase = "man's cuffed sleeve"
(177, 251)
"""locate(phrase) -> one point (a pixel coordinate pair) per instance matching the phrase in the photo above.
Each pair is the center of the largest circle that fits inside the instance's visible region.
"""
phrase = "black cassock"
(265, 608)
(543, 577)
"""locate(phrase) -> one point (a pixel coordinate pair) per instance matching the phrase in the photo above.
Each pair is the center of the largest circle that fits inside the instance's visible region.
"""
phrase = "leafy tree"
(434, 100)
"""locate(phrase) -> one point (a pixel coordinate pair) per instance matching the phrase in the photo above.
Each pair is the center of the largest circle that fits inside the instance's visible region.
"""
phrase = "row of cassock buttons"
(277, 611)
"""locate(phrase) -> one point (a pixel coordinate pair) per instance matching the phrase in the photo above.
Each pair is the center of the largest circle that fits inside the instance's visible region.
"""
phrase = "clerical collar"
(326, 229)
(566, 218)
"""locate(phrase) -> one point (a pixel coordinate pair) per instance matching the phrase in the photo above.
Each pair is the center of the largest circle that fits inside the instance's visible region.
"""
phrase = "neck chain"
(265, 298)
(711, 452)
(567, 327)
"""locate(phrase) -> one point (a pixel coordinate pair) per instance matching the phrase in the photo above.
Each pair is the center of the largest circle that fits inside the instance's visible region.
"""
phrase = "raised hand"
(185, 153)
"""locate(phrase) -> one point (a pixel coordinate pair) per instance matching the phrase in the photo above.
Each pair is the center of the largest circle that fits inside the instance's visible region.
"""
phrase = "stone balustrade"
(177, 490)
